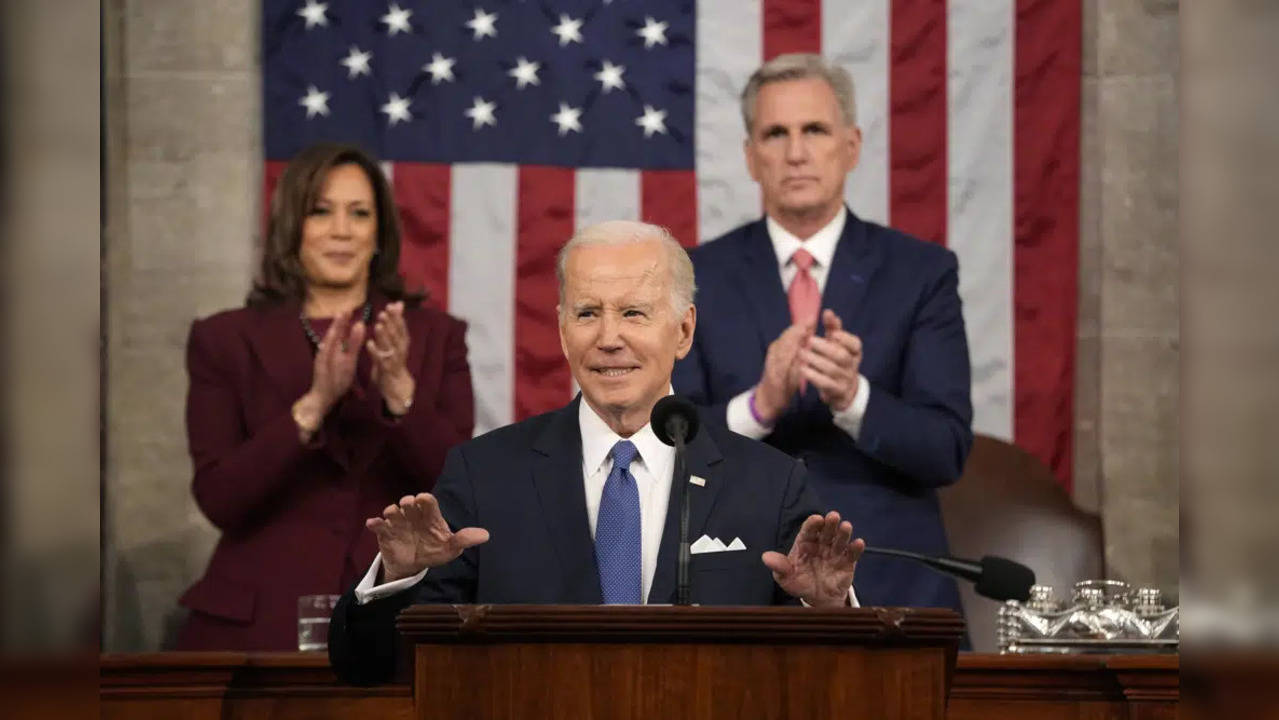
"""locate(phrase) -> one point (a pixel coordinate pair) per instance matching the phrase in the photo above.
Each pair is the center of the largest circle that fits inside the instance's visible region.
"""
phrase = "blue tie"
(617, 531)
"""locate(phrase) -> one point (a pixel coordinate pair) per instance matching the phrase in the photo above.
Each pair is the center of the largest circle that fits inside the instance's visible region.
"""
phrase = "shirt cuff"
(366, 592)
(742, 421)
(850, 418)
(852, 599)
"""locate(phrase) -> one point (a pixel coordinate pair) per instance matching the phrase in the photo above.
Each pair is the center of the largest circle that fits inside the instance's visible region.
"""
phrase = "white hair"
(798, 66)
(683, 285)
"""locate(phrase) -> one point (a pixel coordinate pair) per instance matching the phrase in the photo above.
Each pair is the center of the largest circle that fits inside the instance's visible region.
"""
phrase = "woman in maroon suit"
(331, 395)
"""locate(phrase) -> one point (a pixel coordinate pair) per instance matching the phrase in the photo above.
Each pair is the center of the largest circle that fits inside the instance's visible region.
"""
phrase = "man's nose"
(610, 335)
(796, 150)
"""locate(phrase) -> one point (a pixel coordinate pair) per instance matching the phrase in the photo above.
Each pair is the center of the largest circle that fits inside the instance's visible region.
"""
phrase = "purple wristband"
(750, 404)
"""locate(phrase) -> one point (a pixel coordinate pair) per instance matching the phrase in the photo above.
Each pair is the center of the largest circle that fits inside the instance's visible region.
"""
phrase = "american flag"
(504, 125)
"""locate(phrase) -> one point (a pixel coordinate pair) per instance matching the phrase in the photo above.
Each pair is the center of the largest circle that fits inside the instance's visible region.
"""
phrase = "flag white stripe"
(856, 36)
(482, 227)
(729, 49)
(606, 194)
(980, 49)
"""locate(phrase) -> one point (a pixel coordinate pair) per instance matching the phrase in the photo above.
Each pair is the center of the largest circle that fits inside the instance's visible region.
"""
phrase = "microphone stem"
(681, 477)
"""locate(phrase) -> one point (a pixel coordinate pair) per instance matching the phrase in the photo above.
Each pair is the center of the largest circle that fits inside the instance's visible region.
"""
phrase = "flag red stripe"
(791, 26)
(917, 118)
(1046, 227)
(669, 198)
(545, 222)
(271, 173)
(422, 193)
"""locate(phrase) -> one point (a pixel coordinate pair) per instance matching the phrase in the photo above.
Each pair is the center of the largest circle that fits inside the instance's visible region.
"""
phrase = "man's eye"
(815, 130)
(633, 313)
(585, 313)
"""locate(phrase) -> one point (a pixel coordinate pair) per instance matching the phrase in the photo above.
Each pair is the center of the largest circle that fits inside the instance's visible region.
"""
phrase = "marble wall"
(182, 171)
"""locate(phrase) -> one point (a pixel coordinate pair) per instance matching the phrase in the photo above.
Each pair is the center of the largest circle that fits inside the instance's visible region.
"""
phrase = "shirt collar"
(821, 245)
(598, 440)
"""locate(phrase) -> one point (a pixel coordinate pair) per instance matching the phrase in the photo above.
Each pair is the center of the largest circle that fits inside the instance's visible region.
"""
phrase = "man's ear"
(687, 325)
(559, 315)
(748, 152)
(854, 147)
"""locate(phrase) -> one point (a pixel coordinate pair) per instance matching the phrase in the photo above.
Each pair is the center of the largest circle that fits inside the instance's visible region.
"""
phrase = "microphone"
(996, 578)
(675, 422)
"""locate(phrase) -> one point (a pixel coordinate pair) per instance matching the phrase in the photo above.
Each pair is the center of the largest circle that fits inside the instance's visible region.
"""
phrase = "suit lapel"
(282, 349)
(703, 457)
(762, 284)
(557, 474)
(855, 263)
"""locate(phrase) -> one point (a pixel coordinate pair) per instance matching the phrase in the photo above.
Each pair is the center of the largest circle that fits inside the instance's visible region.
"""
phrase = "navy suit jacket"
(900, 296)
(523, 483)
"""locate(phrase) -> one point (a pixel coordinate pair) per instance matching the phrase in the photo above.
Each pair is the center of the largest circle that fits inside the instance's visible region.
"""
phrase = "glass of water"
(314, 612)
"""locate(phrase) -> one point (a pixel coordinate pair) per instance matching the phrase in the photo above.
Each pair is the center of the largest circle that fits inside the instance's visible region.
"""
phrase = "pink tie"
(805, 298)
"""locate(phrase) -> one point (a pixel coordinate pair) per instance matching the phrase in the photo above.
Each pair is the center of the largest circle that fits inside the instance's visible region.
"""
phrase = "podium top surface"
(450, 624)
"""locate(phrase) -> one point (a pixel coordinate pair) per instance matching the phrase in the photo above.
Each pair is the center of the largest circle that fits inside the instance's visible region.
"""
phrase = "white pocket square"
(706, 544)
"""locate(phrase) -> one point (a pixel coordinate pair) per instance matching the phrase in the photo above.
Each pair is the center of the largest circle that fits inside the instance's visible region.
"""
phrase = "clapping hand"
(832, 363)
(389, 348)
(781, 377)
(335, 359)
(332, 372)
(819, 568)
(413, 536)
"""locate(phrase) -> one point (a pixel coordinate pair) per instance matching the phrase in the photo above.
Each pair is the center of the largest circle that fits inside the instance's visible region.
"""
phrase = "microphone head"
(1002, 579)
(674, 407)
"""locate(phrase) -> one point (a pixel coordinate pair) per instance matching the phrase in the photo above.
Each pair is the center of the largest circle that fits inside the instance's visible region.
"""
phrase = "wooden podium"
(701, 663)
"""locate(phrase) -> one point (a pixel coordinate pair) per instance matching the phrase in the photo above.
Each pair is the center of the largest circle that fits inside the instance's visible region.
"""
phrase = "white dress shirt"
(821, 245)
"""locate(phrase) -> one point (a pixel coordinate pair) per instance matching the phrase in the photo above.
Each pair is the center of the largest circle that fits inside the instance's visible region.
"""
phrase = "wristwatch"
(404, 407)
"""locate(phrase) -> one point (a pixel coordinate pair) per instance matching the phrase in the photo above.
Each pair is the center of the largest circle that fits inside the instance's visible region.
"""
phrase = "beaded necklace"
(315, 339)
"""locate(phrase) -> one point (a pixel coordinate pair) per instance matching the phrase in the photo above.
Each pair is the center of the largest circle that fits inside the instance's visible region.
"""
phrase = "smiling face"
(339, 234)
(619, 330)
(800, 148)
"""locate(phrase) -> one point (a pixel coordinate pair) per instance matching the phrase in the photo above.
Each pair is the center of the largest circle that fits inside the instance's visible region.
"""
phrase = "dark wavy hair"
(281, 277)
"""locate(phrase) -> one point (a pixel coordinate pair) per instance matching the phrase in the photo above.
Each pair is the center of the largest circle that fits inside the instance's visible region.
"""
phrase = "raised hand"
(389, 348)
(780, 379)
(832, 363)
(819, 568)
(331, 374)
(413, 536)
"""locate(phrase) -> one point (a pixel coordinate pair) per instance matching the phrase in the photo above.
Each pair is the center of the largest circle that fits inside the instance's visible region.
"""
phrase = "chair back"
(1008, 503)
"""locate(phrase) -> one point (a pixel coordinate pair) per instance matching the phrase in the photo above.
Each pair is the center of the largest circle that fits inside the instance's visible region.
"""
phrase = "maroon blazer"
(292, 515)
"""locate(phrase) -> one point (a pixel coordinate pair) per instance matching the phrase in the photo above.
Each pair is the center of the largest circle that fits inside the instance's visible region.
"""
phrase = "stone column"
(1127, 419)
(183, 168)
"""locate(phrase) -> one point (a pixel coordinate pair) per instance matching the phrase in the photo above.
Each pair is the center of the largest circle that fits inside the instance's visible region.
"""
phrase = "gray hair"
(621, 232)
(798, 66)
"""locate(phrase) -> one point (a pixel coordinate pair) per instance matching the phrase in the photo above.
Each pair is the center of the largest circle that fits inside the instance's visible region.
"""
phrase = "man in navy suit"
(836, 340)
(579, 505)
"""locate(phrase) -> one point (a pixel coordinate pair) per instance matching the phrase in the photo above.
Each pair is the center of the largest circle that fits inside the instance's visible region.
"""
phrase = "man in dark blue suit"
(838, 341)
(579, 505)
